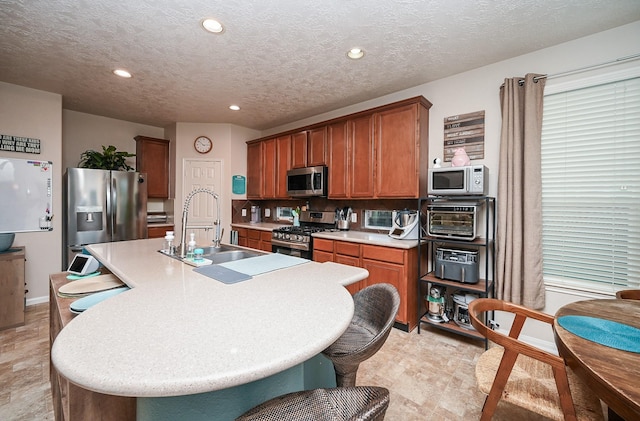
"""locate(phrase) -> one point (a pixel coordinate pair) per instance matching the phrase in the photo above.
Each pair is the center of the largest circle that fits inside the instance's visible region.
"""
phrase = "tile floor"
(430, 376)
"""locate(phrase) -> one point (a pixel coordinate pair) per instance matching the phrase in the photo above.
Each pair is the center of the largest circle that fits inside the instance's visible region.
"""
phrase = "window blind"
(591, 187)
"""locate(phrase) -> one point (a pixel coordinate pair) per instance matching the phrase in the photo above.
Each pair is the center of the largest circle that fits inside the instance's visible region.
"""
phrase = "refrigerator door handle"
(114, 206)
(109, 208)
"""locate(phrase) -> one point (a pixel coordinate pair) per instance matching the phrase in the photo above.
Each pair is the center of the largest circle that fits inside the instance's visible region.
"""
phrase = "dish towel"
(262, 264)
(605, 332)
(222, 274)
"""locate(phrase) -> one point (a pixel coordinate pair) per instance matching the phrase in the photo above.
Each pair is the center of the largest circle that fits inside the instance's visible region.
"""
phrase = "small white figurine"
(436, 163)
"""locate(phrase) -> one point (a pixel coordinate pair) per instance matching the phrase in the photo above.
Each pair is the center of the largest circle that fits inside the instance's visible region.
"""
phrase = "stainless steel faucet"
(185, 212)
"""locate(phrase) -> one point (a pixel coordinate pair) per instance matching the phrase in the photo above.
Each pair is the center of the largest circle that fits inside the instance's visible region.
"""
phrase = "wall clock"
(203, 144)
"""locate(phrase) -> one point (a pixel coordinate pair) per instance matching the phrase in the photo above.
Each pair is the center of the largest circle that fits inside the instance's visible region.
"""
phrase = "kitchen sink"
(228, 256)
(224, 253)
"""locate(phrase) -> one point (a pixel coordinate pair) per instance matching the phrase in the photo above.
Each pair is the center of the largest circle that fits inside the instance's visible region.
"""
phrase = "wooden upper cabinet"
(338, 160)
(360, 138)
(317, 147)
(283, 164)
(269, 172)
(254, 170)
(397, 158)
(299, 150)
(267, 163)
(380, 153)
(152, 158)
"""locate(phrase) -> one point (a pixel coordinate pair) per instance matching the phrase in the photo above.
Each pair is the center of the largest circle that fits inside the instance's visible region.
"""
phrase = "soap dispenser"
(168, 243)
(191, 245)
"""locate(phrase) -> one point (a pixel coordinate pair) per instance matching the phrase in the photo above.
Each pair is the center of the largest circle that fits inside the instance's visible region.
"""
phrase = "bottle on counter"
(169, 248)
(191, 245)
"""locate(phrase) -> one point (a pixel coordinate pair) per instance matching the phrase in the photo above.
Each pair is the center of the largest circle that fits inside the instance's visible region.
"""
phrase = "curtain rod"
(593, 66)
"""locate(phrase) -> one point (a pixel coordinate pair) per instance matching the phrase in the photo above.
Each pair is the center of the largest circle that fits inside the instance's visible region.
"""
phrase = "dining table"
(600, 341)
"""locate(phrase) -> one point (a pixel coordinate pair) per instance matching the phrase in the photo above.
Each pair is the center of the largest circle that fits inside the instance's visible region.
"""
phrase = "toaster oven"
(455, 221)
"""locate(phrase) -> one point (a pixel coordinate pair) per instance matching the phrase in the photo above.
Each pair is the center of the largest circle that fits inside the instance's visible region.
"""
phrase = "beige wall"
(228, 146)
(81, 132)
(37, 114)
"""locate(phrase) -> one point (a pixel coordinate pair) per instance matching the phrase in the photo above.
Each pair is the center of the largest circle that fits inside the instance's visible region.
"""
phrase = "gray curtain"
(519, 240)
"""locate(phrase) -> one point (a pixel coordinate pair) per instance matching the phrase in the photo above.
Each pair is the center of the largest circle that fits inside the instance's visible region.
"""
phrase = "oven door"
(283, 249)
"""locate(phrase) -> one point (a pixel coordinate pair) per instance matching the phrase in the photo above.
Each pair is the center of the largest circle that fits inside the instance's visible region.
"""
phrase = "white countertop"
(177, 332)
(367, 238)
(262, 226)
(363, 237)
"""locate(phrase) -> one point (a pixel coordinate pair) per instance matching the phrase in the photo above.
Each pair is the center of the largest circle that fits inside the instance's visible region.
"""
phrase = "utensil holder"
(343, 225)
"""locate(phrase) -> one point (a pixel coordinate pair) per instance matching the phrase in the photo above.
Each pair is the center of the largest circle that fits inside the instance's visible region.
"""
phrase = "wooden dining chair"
(525, 375)
(628, 294)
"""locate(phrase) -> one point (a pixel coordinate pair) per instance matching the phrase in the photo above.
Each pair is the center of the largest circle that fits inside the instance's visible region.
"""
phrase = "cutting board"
(89, 285)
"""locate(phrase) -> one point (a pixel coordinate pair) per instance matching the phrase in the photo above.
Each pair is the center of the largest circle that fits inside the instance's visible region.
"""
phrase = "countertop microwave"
(307, 182)
(451, 181)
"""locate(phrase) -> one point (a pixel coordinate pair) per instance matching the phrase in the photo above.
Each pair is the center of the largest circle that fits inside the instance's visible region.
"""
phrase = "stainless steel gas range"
(297, 241)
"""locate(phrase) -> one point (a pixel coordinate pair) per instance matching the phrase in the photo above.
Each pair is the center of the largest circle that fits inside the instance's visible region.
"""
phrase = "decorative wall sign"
(464, 131)
(19, 144)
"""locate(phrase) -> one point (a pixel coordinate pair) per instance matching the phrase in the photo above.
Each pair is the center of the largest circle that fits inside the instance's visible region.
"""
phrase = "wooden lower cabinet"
(158, 232)
(257, 239)
(71, 402)
(243, 239)
(12, 288)
(391, 265)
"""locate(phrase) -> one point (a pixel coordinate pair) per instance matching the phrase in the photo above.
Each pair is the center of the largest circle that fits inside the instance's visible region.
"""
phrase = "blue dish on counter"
(89, 301)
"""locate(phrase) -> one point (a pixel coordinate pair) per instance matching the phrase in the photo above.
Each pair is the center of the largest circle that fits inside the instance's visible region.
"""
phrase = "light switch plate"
(244, 212)
(267, 212)
(354, 217)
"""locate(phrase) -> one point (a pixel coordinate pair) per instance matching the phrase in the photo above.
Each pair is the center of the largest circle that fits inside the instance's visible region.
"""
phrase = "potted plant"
(108, 159)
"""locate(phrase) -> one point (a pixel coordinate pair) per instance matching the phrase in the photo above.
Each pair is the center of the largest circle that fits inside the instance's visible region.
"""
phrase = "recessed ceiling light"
(122, 73)
(355, 53)
(212, 25)
(234, 107)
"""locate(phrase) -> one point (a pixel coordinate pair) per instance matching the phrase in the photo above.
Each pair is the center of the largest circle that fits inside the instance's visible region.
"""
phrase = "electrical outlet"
(244, 212)
(354, 217)
(267, 212)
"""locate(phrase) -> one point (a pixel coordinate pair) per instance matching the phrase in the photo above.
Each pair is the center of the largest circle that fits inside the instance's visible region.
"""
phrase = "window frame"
(569, 83)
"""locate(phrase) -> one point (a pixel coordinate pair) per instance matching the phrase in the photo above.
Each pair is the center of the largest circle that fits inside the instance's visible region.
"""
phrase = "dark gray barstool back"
(375, 309)
(364, 403)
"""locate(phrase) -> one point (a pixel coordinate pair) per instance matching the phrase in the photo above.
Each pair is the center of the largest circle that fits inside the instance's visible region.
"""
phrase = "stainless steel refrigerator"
(102, 206)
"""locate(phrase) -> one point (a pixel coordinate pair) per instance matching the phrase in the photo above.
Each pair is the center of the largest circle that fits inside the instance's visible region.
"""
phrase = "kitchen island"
(177, 336)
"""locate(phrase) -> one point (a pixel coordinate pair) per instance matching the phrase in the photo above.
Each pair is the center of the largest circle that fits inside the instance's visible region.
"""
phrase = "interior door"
(200, 173)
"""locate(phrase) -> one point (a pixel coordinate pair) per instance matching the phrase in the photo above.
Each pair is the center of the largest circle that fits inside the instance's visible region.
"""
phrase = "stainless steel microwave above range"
(307, 182)
(453, 221)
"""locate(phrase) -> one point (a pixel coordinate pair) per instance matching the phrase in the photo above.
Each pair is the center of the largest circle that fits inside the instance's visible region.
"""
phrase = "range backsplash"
(317, 204)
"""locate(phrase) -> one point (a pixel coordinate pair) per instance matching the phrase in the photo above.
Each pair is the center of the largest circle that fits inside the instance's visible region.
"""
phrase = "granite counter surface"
(177, 332)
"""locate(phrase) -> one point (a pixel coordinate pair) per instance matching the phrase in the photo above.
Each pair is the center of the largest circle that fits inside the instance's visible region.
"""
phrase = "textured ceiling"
(280, 60)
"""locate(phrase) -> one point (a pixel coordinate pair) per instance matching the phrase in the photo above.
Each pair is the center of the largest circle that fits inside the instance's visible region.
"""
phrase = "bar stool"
(337, 404)
(374, 313)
